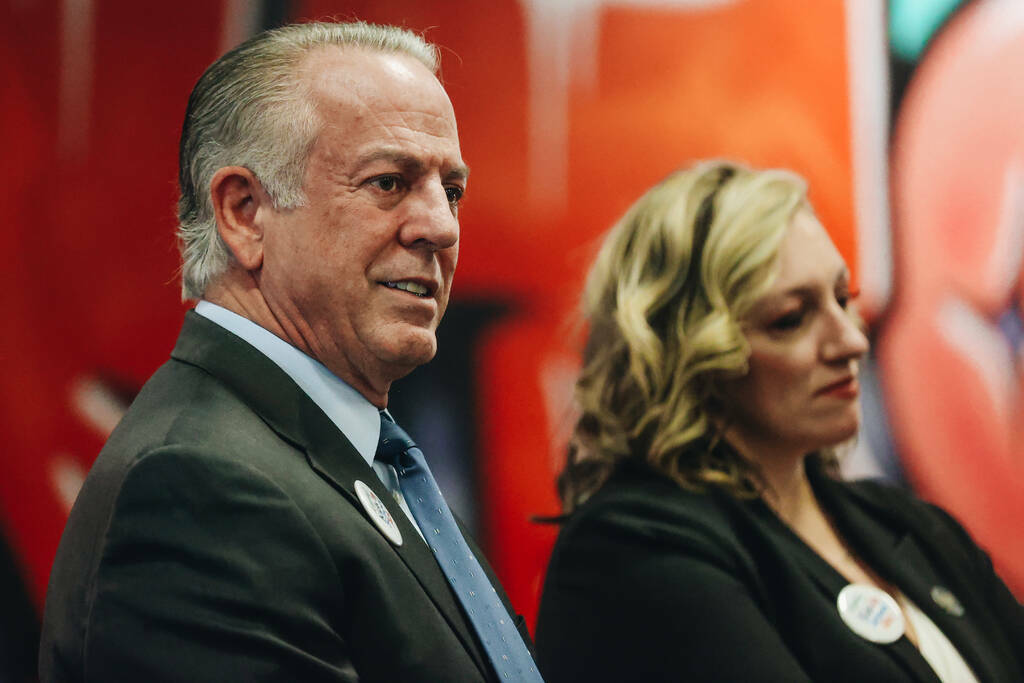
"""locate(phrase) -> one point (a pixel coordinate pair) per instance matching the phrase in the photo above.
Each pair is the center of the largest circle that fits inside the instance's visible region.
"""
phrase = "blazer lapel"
(922, 584)
(900, 559)
(296, 418)
(889, 547)
(819, 570)
(831, 582)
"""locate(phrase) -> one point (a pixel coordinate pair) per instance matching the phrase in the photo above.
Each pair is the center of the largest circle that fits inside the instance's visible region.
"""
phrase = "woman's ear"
(713, 399)
(237, 196)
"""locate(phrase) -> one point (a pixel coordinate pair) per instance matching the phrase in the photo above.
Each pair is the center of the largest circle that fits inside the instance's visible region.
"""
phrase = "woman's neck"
(786, 487)
(787, 490)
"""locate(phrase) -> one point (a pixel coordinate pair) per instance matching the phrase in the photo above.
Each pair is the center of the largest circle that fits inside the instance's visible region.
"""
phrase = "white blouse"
(935, 647)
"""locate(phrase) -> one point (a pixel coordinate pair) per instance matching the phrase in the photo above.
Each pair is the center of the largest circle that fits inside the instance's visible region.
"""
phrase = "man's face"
(359, 276)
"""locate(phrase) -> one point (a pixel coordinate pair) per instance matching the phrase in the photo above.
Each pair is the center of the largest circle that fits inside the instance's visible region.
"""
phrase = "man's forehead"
(348, 83)
(382, 104)
(334, 70)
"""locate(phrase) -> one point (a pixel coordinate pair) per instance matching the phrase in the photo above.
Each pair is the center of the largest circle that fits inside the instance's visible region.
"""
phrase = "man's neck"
(240, 294)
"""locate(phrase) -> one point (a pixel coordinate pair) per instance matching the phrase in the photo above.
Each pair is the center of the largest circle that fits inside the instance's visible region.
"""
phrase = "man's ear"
(237, 198)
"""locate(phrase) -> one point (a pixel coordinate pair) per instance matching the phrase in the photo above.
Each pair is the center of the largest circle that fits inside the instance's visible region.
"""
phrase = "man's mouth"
(411, 287)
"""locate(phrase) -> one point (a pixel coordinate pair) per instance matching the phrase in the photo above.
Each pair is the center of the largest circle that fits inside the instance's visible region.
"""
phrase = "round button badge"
(378, 513)
(871, 613)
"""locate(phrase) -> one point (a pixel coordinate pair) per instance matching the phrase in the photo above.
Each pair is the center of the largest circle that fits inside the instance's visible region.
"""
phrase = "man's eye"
(387, 183)
(454, 194)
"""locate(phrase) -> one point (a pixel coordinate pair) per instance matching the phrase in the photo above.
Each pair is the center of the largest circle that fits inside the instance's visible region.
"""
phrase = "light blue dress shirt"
(357, 418)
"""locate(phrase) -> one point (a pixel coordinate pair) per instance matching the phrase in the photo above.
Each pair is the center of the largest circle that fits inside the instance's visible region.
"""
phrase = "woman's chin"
(841, 434)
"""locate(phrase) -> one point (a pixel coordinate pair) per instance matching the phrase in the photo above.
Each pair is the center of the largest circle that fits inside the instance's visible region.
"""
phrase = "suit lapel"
(296, 418)
(336, 460)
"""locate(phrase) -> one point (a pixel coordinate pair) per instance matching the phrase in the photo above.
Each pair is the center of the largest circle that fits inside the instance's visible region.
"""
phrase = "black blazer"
(649, 582)
(218, 537)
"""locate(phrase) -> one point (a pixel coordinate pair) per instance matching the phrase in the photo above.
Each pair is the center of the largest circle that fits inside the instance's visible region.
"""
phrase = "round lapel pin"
(945, 599)
(378, 513)
(871, 613)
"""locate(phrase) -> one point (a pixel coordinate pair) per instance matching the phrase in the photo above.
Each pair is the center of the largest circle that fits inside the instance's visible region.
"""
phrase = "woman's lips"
(845, 388)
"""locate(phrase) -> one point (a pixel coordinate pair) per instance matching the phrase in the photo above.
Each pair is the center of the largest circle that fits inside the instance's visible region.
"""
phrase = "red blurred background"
(567, 112)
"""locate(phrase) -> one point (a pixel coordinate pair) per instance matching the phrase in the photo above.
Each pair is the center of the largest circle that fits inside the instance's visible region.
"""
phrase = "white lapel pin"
(378, 513)
(871, 613)
(945, 599)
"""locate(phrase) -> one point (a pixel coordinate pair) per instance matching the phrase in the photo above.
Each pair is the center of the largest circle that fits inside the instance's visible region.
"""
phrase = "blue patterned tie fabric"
(496, 629)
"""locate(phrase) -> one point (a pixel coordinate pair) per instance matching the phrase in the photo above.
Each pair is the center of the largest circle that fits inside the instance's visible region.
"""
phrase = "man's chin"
(410, 349)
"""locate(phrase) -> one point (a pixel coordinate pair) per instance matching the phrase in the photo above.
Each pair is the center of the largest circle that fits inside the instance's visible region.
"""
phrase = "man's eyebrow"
(407, 161)
(460, 172)
(395, 156)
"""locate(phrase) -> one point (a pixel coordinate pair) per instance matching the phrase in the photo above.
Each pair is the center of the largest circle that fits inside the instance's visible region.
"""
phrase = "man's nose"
(431, 220)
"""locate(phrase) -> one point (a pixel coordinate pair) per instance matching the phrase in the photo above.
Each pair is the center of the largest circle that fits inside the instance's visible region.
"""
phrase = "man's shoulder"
(185, 406)
(177, 411)
(185, 418)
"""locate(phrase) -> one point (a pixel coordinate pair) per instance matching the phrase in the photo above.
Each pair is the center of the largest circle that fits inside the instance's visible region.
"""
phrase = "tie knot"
(394, 442)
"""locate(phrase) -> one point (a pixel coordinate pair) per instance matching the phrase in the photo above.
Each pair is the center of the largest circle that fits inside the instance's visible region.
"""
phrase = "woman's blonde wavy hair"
(664, 300)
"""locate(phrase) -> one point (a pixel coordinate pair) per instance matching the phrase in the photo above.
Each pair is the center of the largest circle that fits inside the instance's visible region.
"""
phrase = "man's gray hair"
(251, 109)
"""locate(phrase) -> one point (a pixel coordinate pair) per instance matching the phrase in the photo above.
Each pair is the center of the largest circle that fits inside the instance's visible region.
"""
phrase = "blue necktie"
(494, 626)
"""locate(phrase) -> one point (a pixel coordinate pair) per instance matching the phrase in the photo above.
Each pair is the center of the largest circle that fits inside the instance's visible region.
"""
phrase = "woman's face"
(801, 391)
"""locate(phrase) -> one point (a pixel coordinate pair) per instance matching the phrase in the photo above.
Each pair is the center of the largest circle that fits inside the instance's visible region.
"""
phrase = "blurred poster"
(950, 348)
(567, 110)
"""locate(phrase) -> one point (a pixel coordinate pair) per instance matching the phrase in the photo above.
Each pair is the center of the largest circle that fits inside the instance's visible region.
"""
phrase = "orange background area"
(90, 291)
(762, 81)
(94, 292)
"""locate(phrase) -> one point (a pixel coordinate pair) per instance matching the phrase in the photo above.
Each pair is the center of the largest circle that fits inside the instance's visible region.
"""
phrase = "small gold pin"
(945, 599)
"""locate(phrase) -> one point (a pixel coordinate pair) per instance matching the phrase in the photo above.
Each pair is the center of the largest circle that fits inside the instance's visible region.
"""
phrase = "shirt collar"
(357, 418)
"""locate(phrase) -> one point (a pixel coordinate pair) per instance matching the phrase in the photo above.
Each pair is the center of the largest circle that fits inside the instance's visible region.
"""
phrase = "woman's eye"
(790, 321)
(844, 297)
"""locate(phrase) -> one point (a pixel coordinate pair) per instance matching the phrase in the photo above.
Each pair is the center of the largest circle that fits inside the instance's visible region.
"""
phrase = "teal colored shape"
(913, 22)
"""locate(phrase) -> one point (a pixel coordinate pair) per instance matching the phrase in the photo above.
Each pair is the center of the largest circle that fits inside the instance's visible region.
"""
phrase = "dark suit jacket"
(649, 582)
(218, 537)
